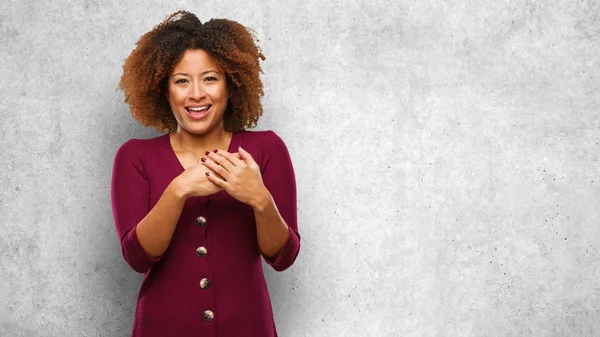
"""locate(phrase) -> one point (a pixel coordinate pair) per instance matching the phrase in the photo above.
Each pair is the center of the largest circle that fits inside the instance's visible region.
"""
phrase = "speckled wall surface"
(446, 155)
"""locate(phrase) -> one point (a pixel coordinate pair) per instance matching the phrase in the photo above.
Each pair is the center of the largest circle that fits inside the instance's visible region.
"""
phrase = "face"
(197, 92)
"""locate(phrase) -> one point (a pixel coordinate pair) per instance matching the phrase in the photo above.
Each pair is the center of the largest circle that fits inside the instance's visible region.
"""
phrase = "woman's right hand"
(193, 182)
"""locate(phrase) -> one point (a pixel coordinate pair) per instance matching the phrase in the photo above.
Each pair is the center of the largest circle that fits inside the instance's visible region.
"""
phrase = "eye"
(181, 80)
(210, 79)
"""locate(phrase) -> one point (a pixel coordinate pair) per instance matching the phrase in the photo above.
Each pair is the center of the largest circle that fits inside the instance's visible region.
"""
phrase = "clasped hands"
(236, 173)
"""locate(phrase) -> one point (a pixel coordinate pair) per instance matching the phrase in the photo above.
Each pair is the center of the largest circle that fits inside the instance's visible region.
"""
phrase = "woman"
(196, 208)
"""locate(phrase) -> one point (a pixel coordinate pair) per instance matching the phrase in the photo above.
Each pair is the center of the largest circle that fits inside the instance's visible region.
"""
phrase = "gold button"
(204, 283)
(201, 251)
(208, 315)
(200, 221)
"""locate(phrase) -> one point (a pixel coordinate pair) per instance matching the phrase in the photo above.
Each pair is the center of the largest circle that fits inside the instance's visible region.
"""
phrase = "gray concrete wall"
(446, 155)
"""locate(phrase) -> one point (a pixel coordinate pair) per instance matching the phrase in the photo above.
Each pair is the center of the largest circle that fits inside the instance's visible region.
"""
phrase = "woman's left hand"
(241, 176)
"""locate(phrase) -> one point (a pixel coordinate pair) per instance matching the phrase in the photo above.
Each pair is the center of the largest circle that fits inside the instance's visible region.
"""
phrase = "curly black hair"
(231, 45)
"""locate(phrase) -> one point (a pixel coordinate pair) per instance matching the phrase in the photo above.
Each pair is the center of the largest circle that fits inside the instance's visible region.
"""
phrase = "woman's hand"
(194, 182)
(238, 174)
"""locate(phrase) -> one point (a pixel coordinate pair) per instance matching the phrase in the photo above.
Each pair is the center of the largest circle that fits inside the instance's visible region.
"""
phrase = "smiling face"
(197, 92)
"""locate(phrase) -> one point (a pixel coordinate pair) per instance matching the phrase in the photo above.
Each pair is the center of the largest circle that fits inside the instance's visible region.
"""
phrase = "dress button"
(208, 315)
(201, 221)
(201, 251)
(204, 283)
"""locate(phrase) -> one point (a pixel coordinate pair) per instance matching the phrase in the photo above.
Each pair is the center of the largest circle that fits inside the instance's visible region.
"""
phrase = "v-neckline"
(174, 155)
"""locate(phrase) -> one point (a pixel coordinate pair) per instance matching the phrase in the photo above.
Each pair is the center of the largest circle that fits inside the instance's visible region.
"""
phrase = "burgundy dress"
(210, 281)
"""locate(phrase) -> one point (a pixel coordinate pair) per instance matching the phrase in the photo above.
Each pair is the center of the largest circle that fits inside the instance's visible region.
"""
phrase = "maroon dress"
(210, 281)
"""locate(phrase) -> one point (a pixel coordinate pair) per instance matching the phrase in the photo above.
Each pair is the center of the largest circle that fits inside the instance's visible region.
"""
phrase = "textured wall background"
(446, 154)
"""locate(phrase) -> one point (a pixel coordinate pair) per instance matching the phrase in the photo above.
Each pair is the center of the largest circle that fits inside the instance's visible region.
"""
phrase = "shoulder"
(137, 148)
(266, 147)
(263, 138)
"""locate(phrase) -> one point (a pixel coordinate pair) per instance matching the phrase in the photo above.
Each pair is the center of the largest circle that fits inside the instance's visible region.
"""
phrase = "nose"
(196, 90)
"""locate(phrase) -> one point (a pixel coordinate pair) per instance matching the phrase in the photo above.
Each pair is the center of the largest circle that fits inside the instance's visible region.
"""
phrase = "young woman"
(196, 208)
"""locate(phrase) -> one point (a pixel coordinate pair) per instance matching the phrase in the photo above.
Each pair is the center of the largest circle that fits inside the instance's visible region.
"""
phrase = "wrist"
(262, 201)
(178, 190)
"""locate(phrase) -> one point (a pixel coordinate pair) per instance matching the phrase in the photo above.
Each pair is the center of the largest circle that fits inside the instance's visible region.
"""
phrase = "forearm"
(157, 227)
(272, 231)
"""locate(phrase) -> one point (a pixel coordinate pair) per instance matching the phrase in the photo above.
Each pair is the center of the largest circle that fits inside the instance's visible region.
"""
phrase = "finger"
(246, 156)
(219, 159)
(231, 157)
(206, 168)
(236, 154)
(217, 168)
(216, 180)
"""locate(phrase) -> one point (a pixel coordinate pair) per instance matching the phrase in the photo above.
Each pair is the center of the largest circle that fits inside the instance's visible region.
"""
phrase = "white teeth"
(199, 109)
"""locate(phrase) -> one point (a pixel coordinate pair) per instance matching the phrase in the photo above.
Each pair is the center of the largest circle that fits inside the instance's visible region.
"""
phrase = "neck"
(213, 139)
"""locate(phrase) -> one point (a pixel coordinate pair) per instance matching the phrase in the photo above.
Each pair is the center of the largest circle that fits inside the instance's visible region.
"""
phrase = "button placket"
(202, 251)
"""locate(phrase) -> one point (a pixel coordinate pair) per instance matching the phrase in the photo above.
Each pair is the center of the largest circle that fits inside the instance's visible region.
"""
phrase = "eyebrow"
(204, 73)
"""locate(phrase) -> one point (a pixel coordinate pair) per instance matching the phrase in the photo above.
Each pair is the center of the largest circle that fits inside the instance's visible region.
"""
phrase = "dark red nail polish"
(207, 173)
(216, 151)
(207, 152)
(203, 159)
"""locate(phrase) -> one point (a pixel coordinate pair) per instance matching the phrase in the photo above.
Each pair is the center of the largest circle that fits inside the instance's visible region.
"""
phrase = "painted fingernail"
(216, 150)
(207, 173)
(203, 159)
(207, 152)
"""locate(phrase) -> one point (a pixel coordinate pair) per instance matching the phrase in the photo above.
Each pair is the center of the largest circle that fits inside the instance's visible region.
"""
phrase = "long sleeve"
(279, 178)
(130, 204)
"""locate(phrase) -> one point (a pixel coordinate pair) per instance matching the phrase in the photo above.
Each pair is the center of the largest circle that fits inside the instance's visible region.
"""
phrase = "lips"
(199, 112)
